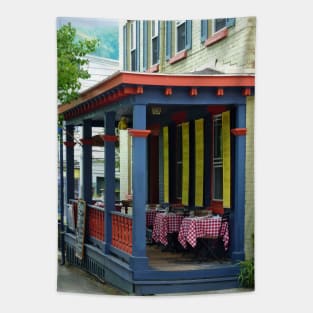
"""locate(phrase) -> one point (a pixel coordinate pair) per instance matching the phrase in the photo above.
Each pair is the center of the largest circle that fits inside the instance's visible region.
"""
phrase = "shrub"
(246, 275)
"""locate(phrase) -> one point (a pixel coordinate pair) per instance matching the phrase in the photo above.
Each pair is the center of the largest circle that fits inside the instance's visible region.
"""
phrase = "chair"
(220, 248)
(214, 247)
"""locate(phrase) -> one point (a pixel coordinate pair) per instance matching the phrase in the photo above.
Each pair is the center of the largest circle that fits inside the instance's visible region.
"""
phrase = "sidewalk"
(73, 279)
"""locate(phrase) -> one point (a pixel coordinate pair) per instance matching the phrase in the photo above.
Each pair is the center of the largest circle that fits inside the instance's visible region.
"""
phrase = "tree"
(71, 60)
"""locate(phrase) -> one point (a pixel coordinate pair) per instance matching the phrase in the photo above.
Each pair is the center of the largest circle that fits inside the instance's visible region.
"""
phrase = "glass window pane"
(155, 50)
(220, 23)
(133, 60)
(179, 144)
(217, 139)
(179, 181)
(218, 183)
(181, 37)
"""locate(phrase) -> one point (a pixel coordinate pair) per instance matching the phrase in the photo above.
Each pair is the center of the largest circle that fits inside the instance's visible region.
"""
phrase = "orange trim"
(139, 90)
(239, 131)
(179, 56)
(220, 92)
(216, 37)
(193, 92)
(139, 132)
(156, 80)
(168, 91)
(246, 92)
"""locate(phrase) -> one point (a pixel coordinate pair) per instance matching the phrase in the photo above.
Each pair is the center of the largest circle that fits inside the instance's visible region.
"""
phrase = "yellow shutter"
(199, 162)
(185, 160)
(226, 158)
(165, 164)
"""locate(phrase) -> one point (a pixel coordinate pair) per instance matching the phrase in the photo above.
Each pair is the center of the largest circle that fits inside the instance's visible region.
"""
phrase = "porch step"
(151, 287)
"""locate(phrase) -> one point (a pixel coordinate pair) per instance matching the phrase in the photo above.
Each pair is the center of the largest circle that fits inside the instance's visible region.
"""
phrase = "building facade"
(181, 114)
(216, 46)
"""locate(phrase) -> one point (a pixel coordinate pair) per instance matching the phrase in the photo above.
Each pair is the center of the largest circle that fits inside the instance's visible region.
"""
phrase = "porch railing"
(122, 232)
(95, 222)
(95, 228)
(94, 217)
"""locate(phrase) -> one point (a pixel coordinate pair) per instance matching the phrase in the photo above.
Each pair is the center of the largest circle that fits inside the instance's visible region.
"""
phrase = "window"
(155, 42)
(179, 162)
(220, 23)
(183, 35)
(217, 158)
(133, 45)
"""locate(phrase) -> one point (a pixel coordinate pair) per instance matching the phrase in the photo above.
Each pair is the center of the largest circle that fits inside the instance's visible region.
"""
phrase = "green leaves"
(70, 54)
(246, 275)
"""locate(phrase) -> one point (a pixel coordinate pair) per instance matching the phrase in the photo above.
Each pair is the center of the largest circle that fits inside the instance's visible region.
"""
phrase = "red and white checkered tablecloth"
(208, 227)
(150, 217)
(165, 224)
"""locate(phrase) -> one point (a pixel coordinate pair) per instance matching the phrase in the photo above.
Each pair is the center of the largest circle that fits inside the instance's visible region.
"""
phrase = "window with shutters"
(219, 30)
(180, 35)
(221, 23)
(183, 38)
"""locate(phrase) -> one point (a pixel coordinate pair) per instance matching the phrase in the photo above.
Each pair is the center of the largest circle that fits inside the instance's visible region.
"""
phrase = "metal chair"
(214, 247)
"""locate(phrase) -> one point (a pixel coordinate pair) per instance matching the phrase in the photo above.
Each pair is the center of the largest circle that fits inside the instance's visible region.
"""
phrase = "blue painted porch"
(120, 254)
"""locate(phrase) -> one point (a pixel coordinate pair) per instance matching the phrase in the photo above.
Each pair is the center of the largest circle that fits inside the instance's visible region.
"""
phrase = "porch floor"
(161, 259)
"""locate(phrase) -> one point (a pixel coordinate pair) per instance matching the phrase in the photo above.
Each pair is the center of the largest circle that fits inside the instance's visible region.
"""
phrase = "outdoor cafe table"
(165, 223)
(150, 217)
(201, 227)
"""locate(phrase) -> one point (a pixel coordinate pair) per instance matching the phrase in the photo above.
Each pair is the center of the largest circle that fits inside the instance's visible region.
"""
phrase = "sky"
(105, 30)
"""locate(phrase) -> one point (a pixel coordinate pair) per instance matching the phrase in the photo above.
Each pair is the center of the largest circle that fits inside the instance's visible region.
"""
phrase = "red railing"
(122, 226)
(95, 222)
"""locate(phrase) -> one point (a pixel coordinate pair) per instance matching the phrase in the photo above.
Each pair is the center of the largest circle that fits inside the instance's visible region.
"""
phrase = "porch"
(165, 272)
(110, 239)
